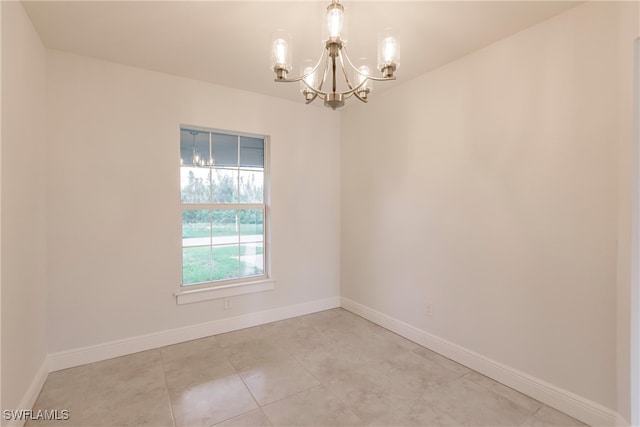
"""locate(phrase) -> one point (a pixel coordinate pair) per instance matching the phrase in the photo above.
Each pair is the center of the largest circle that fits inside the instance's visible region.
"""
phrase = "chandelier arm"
(324, 71)
(292, 80)
(381, 79)
(375, 79)
(354, 89)
(344, 72)
(322, 54)
(360, 98)
(304, 76)
(346, 55)
(346, 94)
(346, 78)
(318, 92)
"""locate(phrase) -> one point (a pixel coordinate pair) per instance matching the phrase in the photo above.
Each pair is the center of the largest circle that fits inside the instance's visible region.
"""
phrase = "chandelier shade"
(333, 77)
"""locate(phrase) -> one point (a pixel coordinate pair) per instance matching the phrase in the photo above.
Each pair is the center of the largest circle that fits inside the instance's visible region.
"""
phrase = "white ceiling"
(227, 42)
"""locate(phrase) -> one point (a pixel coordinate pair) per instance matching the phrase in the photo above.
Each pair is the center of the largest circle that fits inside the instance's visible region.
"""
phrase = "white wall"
(24, 289)
(489, 188)
(629, 29)
(114, 219)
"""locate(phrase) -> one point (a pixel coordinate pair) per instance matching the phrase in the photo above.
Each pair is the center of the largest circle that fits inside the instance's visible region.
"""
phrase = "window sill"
(218, 292)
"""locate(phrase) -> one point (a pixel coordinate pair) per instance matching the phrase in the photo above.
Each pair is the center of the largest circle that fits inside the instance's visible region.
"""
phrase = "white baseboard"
(578, 407)
(108, 350)
(32, 392)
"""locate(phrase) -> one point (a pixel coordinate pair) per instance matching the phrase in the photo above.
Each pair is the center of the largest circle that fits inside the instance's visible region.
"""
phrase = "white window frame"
(243, 285)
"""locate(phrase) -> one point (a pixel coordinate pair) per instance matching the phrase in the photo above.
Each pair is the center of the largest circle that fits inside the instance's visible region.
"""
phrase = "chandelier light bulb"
(307, 79)
(388, 54)
(363, 78)
(335, 18)
(280, 49)
(390, 46)
(364, 73)
(281, 53)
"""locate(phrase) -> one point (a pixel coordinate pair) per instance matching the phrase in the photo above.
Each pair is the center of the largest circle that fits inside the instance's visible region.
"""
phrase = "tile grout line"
(531, 415)
(291, 395)
(294, 394)
(235, 371)
(166, 384)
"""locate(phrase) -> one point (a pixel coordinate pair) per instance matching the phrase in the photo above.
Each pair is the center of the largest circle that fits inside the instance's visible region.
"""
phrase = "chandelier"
(197, 160)
(334, 77)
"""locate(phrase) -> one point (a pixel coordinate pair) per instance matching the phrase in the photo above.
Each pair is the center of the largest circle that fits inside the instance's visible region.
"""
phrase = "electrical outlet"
(428, 309)
(227, 303)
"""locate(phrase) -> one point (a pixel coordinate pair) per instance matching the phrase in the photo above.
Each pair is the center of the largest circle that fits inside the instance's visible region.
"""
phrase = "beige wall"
(489, 187)
(24, 166)
(629, 29)
(114, 218)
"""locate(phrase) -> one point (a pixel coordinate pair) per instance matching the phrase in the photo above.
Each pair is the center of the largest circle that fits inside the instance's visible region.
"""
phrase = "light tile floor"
(331, 368)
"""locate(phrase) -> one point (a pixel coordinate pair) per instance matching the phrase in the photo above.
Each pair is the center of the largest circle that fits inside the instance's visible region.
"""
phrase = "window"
(222, 190)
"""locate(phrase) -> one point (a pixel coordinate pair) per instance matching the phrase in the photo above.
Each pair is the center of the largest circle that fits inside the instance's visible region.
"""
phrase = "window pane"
(194, 147)
(226, 262)
(196, 227)
(251, 152)
(251, 225)
(225, 185)
(195, 185)
(225, 226)
(225, 150)
(252, 259)
(196, 265)
(251, 186)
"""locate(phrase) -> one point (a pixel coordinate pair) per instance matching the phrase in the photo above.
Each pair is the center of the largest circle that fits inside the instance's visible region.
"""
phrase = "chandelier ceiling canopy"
(334, 77)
